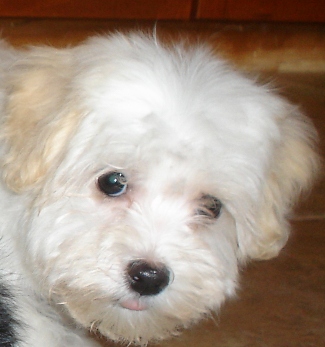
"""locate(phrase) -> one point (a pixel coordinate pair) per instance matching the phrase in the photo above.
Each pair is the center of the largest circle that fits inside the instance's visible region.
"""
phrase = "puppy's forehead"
(146, 103)
(144, 84)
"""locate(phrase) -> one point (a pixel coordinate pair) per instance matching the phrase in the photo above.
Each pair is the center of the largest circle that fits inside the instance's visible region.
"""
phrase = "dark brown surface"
(278, 10)
(141, 9)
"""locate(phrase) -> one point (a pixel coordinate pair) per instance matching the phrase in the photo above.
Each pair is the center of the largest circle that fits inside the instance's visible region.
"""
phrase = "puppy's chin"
(137, 321)
(128, 326)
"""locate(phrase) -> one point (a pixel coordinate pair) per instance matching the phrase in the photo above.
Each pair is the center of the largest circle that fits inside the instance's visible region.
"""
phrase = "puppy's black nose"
(147, 279)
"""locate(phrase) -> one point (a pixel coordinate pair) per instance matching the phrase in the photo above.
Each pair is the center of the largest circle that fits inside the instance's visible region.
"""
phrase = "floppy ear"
(293, 167)
(38, 118)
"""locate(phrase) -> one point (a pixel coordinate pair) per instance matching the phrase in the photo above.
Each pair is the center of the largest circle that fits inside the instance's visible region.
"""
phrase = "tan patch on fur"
(40, 118)
(295, 166)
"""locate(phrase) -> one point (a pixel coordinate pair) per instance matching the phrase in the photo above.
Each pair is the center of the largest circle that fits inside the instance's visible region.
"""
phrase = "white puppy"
(136, 179)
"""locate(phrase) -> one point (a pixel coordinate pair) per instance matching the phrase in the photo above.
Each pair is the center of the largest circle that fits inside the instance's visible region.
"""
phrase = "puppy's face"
(162, 172)
(133, 232)
(140, 265)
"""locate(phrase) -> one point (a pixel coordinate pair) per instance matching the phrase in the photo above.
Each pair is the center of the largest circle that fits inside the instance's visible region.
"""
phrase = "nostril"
(147, 279)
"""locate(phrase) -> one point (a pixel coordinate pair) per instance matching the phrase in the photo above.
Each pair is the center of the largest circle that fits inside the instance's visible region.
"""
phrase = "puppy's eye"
(209, 206)
(112, 183)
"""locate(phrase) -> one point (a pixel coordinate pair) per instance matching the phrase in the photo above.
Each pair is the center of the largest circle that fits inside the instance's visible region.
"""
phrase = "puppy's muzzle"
(147, 279)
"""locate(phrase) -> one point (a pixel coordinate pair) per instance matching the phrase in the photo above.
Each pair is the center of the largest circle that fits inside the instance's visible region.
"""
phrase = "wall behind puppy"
(257, 10)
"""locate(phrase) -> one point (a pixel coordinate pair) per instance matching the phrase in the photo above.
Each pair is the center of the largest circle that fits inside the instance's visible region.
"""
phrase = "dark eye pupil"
(112, 183)
(209, 206)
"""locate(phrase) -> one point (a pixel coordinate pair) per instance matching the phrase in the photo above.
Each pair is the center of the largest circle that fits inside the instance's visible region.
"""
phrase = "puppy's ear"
(294, 166)
(38, 118)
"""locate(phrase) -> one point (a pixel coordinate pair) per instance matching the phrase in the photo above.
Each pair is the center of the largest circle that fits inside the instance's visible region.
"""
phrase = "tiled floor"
(281, 302)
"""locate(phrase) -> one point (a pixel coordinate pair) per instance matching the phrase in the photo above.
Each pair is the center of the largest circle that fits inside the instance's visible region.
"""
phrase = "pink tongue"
(133, 305)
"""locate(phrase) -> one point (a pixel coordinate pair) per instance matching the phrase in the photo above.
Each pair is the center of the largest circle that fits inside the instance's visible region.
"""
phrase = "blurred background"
(281, 302)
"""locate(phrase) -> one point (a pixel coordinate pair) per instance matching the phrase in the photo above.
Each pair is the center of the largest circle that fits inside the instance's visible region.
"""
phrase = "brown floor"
(281, 302)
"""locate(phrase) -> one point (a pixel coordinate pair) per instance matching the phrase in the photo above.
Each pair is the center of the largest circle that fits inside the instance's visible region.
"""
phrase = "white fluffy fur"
(179, 124)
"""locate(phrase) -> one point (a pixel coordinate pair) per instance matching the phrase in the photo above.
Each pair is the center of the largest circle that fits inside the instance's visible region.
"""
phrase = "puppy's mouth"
(134, 305)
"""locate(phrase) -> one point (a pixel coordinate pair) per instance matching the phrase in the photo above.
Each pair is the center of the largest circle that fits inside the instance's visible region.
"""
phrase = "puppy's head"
(157, 172)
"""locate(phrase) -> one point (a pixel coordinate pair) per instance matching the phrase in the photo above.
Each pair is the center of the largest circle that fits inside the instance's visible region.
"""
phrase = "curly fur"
(180, 125)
